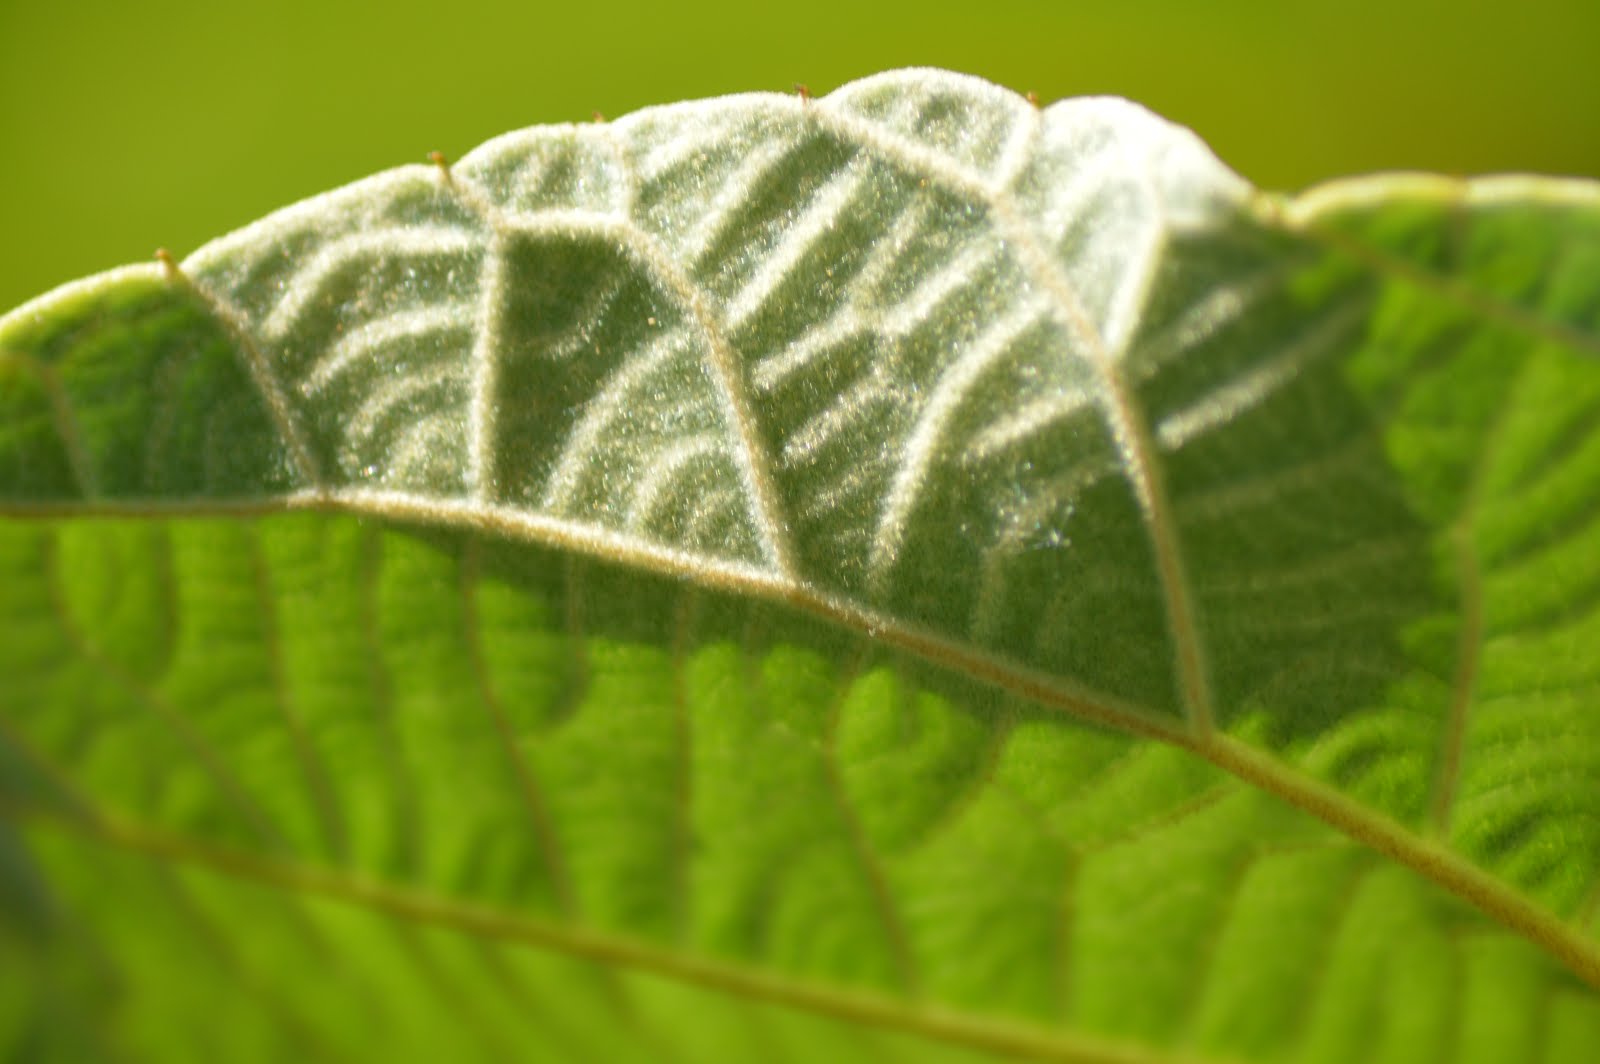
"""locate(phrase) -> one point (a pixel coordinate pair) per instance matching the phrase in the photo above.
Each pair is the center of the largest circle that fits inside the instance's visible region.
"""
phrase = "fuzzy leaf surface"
(904, 575)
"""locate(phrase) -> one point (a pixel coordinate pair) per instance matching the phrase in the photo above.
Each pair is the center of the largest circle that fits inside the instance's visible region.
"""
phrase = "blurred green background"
(131, 125)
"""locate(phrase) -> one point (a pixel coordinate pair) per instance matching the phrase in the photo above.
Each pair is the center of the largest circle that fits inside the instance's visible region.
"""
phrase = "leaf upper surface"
(900, 565)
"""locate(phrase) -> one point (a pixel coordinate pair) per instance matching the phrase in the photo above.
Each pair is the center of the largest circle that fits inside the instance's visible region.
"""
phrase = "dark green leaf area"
(133, 390)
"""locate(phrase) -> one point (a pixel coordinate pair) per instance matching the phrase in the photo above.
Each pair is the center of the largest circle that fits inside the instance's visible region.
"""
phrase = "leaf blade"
(1199, 349)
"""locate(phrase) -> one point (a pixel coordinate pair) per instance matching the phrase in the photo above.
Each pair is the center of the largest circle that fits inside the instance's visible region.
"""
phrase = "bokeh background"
(127, 126)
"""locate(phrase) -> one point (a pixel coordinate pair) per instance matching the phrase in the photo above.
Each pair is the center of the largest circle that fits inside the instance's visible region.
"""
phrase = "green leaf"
(897, 576)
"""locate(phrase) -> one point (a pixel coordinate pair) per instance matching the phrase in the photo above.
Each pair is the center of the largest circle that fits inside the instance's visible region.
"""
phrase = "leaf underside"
(904, 575)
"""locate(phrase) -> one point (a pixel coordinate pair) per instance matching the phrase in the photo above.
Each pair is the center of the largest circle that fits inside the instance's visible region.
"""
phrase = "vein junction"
(811, 352)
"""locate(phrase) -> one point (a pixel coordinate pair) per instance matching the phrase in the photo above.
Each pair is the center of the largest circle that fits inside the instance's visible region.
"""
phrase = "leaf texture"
(900, 575)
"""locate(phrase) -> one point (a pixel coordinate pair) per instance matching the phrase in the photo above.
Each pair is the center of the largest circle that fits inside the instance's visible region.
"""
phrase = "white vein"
(1204, 318)
(336, 257)
(1018, 150)
(858, 477)
(887, 249)
(931, 291)
(1133, 291)
(844, 326)
(657, 482)
(714, 506)
(418, 446)
(717, 126)
(586, 322)
(1025, 528)
(853, 319)
(904, 153)
(656, 259)
(851, 405)
(600, 412)
(731, 198)
(484, 366)
(375, 335)
(819, 218)
(627, 180)
(1071, 197)
(266, 379)
(396, 390)
(1132, 295)
(1028, 421)
(1249, 389)
(904, 111)
(925, 445)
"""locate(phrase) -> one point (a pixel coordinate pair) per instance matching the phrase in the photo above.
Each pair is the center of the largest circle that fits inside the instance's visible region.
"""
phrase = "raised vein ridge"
(915, 321)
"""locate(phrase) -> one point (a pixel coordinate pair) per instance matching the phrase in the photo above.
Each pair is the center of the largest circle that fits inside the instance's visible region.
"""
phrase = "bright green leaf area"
(899, 576)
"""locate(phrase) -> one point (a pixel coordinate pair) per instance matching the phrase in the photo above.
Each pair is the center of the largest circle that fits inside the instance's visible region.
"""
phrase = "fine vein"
(1127, 422)
(1494, 898)
(417, 907)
